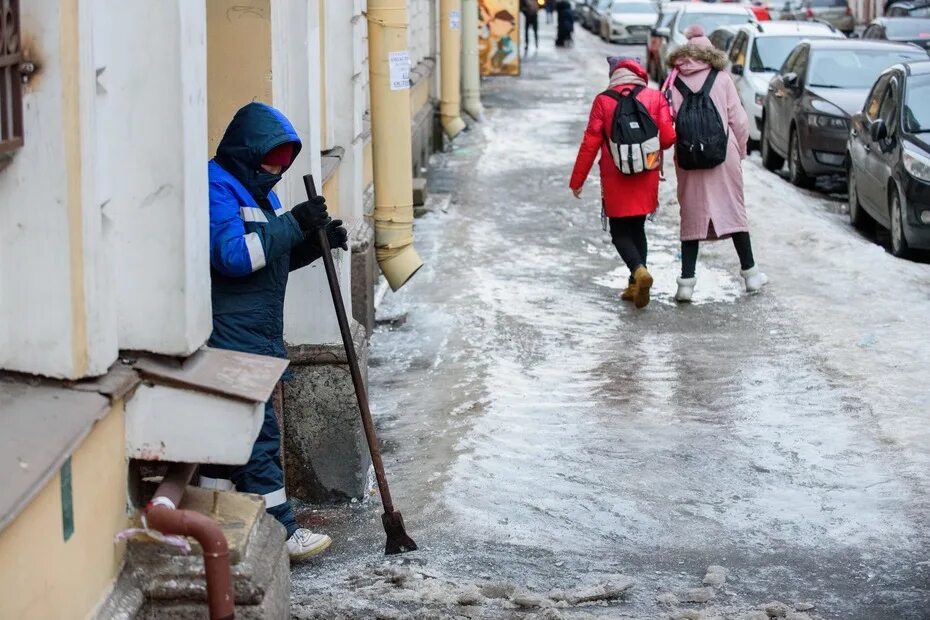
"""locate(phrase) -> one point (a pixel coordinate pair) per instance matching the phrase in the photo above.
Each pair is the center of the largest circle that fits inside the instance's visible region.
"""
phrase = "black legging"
(532, 21)
(689, 254)
(629, 237)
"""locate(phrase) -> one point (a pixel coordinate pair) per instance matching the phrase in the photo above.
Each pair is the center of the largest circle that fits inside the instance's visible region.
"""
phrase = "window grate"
(11, 81)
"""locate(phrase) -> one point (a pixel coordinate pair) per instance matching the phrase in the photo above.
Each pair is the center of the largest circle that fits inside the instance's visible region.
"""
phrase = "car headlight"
(827, 122)
(916, 165)
(760, 99)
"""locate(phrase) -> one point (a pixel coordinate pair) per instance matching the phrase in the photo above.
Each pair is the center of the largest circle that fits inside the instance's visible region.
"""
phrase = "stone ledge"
(313, 354)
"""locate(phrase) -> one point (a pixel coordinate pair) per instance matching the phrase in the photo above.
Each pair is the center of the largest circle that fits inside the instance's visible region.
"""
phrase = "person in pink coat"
(711, 200)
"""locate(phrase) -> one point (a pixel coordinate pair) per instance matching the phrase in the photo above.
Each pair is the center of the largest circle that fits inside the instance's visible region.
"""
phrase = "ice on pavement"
(542, 437)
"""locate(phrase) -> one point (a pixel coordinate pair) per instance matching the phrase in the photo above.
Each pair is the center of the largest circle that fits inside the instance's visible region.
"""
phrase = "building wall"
(53, 263)
(46, 576)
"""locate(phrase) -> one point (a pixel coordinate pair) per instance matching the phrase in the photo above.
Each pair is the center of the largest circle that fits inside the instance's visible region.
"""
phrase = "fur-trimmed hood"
(700, 54)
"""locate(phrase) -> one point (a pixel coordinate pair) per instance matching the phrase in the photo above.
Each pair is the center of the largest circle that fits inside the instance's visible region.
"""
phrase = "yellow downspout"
(471, 74)
(450, 41)
(392, 152)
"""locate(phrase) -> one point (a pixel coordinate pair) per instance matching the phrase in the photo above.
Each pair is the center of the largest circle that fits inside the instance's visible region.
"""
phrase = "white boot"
(304, 544)
(754, 279)
(685, 289)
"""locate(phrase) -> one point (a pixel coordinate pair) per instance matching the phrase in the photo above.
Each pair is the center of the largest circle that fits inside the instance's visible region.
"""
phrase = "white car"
(628, 21)
(758, 52)
(710, 16)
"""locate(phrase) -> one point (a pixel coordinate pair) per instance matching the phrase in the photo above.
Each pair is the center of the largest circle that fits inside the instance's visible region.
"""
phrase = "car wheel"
(796, 173)
(898, 242)
(857, 216)
(770, 159)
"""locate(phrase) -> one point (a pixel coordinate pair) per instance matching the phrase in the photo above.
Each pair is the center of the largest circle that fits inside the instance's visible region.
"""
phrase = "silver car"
(834, 12)
(628, 21)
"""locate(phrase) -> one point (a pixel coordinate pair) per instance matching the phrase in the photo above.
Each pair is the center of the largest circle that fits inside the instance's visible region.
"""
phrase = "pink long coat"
(711, 201)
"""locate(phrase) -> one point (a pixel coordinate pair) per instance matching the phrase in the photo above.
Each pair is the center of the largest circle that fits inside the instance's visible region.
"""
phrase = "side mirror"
(663, 32)
(737, 70)
(853, 35)
(878, 130)
(790, 80)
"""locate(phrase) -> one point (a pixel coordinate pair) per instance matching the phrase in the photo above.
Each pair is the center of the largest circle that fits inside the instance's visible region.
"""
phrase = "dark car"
(805, 117)
(914, 30)
(658, 40)
(888, 158)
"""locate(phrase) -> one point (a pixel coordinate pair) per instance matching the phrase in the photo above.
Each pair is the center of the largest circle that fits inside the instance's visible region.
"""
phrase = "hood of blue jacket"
(255, 130)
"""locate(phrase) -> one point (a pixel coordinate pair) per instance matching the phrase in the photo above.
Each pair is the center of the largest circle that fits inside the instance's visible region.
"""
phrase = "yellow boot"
(643, 282)
(629, 293)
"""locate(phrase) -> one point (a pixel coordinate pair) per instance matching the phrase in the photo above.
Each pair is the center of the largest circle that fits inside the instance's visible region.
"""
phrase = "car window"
(888, 111)
(721, 39)
(874, 101)
(800, 63)
(770, 53)
(909, 29)
(857, 67)
(870, 32)
(666, 19)
(824, 4)
(792, 59)
(917, 104)
(738, 51)
(711, 21)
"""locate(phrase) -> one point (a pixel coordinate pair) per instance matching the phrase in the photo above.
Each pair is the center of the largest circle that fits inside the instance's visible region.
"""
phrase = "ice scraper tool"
(397, 539)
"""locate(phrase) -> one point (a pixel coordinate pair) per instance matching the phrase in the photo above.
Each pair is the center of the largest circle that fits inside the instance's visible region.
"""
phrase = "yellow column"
(390, 134)
(450, 104)
(471, 78)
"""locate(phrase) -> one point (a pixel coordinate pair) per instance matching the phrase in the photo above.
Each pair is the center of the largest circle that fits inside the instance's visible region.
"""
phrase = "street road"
(547, 443)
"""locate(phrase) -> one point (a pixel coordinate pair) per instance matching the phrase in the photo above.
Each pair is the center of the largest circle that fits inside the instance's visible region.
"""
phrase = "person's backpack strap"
(613, 95)
(682, 87)
(709, 82)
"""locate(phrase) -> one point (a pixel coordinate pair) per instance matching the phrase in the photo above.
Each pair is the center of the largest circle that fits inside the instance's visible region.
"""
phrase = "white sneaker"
(304, 544)
(754, 279)
(685, 289)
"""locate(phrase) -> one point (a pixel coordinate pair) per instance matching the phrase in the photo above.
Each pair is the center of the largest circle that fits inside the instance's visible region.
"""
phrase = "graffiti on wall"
(499, 37)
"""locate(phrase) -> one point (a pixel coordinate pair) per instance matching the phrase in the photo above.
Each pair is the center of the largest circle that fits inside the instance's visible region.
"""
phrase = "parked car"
(808, 104)
(757, 52)
(582, 8)
(908, 8)
(888, 158)
(914, 30)
(836, 12)
(722, 38)
(710, 16)
(628, 21)
(594, 14)
(655, 48)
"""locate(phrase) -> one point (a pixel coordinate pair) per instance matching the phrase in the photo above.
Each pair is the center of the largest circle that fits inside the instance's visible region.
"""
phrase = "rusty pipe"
(163, 515)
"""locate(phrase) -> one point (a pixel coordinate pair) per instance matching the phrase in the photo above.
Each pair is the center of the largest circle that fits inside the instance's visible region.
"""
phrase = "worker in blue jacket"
(254, 244)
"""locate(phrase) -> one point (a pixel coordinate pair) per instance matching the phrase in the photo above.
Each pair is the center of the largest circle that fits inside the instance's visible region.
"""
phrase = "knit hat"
(696, 36)
(633, 63)
(281, 155)
(614, 62)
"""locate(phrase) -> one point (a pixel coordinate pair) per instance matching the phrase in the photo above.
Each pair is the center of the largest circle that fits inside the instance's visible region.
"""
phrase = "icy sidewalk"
(544, 439)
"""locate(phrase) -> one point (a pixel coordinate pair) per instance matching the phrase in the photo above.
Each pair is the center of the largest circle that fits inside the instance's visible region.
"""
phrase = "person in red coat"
(627, 198)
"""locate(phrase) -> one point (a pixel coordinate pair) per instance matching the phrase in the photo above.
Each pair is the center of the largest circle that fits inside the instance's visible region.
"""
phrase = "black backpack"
(702, 139)
(633, 137)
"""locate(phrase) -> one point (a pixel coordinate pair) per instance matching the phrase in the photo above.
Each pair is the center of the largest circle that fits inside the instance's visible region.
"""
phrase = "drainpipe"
(450, 42)
(392, 153)
(162, 514)
(471, 77)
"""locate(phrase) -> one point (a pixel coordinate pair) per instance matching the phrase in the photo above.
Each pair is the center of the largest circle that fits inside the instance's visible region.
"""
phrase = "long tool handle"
(357, 381)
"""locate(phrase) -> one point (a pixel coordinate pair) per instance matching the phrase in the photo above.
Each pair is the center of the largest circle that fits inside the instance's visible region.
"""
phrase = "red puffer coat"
(624, 195)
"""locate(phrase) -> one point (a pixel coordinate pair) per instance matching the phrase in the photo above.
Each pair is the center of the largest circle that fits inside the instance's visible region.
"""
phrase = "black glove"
(311, 215)
(337, 234)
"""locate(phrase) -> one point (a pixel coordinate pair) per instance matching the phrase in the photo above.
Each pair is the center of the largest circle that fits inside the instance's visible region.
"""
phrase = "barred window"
(11, 81)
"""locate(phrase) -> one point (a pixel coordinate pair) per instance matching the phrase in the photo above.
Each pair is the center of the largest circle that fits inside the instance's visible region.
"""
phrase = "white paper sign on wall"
(399, 70)
(455, 20)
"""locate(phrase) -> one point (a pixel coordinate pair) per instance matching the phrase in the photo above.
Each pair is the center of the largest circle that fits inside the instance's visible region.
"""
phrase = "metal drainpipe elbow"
(162, 514)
